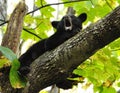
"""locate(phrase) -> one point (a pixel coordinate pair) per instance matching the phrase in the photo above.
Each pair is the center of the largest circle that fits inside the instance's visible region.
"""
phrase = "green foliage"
(95, 9)
(102, 67)
(8, 53)
(38, 24)
(108, 90)
(15, 80)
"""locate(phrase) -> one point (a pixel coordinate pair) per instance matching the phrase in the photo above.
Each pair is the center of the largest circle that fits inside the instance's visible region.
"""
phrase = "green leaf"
(15, 80)
(29, 19)
(79, 72)
(115, 44)
(8, 53)
(109, 90)
(4, 62)
(119, 1)
(118, 84)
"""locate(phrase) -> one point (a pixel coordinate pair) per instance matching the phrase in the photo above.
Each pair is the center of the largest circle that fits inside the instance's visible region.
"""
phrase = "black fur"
(69, 26)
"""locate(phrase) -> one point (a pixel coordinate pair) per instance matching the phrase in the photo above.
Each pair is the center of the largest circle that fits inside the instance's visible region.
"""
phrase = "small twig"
(2, 14)
(56, 4)
(33, 7)
(32, 33)
(2, 20)
(115, 49)
(109, 4)
(92, 2)
(37, 26)
(41, 2)
(4, 23)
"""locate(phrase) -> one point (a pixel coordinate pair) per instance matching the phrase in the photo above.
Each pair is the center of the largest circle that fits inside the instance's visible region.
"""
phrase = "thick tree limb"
(53, 66)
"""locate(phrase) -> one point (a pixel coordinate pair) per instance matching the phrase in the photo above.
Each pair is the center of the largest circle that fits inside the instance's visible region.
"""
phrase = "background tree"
(3, 10)
(3, 14)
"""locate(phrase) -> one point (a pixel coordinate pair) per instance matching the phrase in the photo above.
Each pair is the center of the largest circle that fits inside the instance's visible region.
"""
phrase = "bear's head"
(70, 23)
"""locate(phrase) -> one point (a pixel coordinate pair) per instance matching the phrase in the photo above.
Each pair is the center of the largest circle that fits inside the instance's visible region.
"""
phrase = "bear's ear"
(82, 17)
(55, 23)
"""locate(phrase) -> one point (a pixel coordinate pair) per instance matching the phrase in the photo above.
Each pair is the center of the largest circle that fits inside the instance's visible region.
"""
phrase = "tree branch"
(4, 23)
(109, 4)
(51, 66)
(55, 4)
(32, 33)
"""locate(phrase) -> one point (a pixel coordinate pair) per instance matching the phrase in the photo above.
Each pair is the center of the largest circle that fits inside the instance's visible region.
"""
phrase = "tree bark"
(60, 62)
(11, 38)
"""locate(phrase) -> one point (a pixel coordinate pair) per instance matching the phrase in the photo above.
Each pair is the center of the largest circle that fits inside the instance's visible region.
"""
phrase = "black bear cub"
(69, 26)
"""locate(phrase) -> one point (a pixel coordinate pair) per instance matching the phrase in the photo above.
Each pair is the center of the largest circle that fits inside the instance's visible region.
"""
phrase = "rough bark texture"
(51, 66)
(57, 64)
(11, 40)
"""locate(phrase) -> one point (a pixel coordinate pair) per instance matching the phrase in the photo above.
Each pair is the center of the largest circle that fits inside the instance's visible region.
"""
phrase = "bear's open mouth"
(68, 22)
